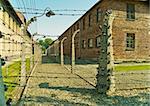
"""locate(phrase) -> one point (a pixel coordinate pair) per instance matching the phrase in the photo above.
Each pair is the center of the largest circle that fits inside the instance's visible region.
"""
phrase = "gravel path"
(53, 85)
(123, 80)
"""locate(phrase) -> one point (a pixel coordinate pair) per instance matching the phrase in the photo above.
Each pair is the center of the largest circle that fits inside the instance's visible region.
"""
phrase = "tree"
(41, 42)
(45, 43)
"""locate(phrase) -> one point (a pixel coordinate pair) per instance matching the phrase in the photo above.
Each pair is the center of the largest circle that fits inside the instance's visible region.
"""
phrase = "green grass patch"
(132, 68)
(11, 75)
(28, 64)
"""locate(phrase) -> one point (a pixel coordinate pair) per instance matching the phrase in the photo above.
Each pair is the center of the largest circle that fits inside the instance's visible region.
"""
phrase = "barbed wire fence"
(20, 55)
(24, 60)
(123, 80)
(123, 84)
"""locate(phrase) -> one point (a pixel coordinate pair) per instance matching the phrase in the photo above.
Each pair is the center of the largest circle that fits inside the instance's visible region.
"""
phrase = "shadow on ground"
(48, 60)
(79, 61)
(51, 101)
(89, 97)
(67, 60)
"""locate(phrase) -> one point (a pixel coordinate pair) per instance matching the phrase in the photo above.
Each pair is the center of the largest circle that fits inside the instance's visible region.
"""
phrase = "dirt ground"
(123, 80)
(53, 85)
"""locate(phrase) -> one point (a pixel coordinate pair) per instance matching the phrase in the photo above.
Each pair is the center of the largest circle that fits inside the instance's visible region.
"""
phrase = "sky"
(57, 24)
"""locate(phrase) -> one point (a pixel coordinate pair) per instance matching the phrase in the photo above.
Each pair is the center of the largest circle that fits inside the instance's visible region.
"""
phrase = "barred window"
(83, 44)
(98, 41)
(98, 16)
(130, 41)
(130, 11)
(90, 43)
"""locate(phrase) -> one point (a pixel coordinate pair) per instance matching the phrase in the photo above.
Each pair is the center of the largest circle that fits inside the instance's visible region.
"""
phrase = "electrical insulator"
(109, 35)
(8, 103)
(5, 87)
(108, 62)
(2, 61)
(108, 44)
(32, 48)
(1, 35)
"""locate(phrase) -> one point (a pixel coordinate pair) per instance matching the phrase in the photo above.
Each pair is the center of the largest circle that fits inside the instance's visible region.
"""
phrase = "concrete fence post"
(23, 67)
(2, 92)
(31, 56)
(73, 50)
(23, 59)
(62, 51)
(105, 77)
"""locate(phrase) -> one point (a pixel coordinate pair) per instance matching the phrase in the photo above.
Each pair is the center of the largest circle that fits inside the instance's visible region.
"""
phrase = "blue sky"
(57, 24)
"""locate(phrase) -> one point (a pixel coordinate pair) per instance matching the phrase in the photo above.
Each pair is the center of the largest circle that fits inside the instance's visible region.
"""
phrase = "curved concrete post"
(62, 51)
(73, 49)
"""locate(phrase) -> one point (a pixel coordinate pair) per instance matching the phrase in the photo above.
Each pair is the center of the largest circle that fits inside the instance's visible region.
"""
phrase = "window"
(83, 23)
(98, 41)
(90, 43)
(130, 11)
(130, 41)
(83, 44)
(89, 20)
(98, 16)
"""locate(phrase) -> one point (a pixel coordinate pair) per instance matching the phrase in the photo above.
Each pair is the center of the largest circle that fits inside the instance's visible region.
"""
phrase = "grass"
(132, 68)
(12, 73)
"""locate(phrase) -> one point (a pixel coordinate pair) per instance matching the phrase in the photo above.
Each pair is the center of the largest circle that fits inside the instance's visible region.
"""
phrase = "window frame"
(83, 44)
(130, 11)
(90, 43)
(98, 14)
(98, 44)
(130, 41)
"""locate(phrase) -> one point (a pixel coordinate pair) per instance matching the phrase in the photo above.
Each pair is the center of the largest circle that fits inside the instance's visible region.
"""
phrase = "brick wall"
(121, 26)
(139, 26)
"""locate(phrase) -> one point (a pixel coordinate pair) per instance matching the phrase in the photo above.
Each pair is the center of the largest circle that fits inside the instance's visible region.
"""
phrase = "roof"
(90, 10)
(82, 16)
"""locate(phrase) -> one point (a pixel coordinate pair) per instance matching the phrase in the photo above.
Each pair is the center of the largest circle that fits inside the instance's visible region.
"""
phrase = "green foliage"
(45, 43)
(12, 73)
(41, 42)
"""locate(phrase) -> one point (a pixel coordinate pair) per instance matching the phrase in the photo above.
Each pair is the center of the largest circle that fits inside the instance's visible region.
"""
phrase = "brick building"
(10, 27)
(130, 31)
